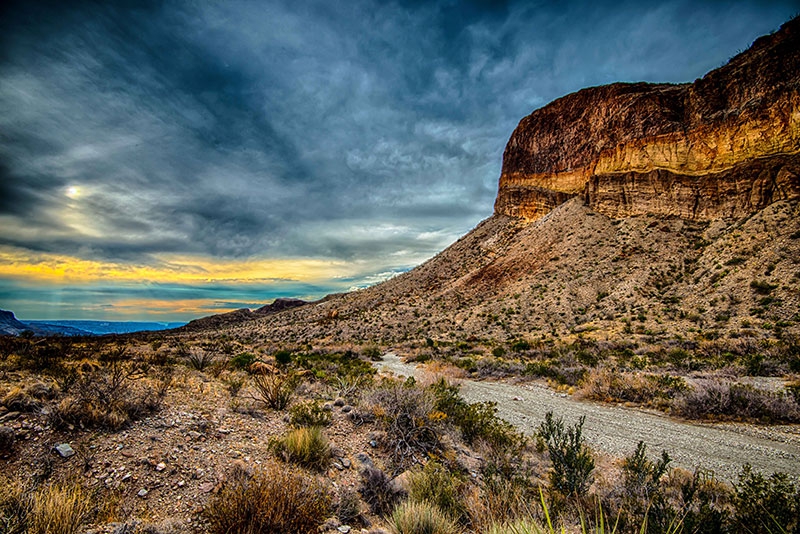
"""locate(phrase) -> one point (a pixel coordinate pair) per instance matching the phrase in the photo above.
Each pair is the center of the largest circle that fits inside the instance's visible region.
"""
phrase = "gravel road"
(615, 430)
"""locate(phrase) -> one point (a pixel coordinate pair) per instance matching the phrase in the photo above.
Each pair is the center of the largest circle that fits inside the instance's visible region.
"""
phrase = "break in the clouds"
(362, 134)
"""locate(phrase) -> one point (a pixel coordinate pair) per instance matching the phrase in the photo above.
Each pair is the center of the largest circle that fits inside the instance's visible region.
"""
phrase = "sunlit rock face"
(724, 146)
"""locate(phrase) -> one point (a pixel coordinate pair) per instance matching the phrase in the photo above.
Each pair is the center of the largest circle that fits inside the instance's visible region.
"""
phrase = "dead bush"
(276, 499)
(378, 492)
(407, 413)
(725, 400)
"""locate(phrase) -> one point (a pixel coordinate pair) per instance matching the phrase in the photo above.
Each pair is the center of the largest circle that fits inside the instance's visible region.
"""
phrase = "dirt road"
(615, 430)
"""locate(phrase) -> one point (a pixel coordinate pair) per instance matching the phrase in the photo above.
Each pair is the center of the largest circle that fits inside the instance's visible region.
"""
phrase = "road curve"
(615, 430)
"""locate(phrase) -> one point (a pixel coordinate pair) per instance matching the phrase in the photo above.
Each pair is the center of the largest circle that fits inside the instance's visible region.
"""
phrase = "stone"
(206, 487)
(142, 493)
(161, 466)
(347, 408)
(339, 401)
(65, 450)
(346, 463)
(344, 529)
(365, 460)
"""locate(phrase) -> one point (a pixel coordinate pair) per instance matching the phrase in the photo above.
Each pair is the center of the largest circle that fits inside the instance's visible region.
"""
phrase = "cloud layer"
(363, 132)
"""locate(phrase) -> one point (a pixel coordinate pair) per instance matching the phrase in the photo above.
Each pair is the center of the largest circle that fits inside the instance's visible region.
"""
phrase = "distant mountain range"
(10, 325)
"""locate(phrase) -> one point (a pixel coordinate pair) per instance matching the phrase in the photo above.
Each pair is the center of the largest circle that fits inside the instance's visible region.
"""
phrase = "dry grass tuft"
(305, 446)
(421, 518)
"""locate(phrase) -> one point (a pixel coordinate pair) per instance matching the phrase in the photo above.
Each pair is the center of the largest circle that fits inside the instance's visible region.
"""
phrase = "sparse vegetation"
(305, 446)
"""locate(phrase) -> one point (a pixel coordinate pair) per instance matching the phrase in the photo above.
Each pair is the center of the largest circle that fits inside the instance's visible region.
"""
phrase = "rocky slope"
(632, 211)
(724, 146)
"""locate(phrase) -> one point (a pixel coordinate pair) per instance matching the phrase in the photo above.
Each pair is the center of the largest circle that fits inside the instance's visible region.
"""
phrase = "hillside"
(644, 212)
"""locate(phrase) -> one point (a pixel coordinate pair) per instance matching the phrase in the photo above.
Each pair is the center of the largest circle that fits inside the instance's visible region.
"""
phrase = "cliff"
(724, 146)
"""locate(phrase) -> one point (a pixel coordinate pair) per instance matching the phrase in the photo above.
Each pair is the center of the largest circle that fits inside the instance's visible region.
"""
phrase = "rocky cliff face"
(724, 146)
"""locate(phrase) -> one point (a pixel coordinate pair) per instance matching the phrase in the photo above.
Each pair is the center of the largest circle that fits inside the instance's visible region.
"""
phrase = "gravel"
(721, 448)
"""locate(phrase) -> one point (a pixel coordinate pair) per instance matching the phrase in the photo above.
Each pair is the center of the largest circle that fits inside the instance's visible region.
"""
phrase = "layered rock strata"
(726, 145)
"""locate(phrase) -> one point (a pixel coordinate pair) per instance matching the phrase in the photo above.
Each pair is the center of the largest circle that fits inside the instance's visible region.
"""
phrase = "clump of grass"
(59, 509)
(421, 518)
(305, 446)
(275, 499)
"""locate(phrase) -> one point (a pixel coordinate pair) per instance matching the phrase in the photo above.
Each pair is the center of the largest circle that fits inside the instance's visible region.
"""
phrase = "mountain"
(101, 327)
(243, 315)
(637, 212)
(10, 325)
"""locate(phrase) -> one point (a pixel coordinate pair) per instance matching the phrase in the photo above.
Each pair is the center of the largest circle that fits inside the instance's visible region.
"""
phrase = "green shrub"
(371, 352)
(435, 484)
(476, 421)
(421, 518)
(766, 504)
(283, 357)
(276, 499)
(307, 447)
(242, 361)
(571, 458)
(309, 413)
(762, 287)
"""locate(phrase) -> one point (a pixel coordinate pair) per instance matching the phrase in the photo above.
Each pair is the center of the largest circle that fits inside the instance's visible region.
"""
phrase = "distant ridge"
(243, 315)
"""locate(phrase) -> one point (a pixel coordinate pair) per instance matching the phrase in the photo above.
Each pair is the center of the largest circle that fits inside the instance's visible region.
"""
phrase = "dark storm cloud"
(343, 130)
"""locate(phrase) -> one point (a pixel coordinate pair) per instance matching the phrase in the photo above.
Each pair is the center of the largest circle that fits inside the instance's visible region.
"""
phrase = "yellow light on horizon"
(54, 268)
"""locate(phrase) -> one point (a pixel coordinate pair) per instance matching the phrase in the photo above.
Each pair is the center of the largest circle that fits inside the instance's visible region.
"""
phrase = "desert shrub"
(421, 518)
(309, 413)
(19, 400)
(572, 460)
(307, 447)
(507, 493)
(276, 499)
(276, 390)
(705, 508)
(371, 352)
(762, 287)
(476, 421)
(613, 386)
(242, 360)
(644, 494)
(377, 490)
(112, 395)
(283, 357)
(348, 506)
(711, 398)
(199, 359)
(59, 509)
(439, 486)
(407, 415)
(766, 504)
(332, 365)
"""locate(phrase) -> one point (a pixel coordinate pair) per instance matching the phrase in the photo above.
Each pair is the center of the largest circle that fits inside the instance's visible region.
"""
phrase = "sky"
(170, 160)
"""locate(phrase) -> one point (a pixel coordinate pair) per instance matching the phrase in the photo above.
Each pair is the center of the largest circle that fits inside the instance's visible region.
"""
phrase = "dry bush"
(19, 400)
(712, 398)
(407, 413)
(276, 499)
(305, 446)
(378, 492)
(112, 395)
(421, 518)
(607, 385)
(348, 506)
